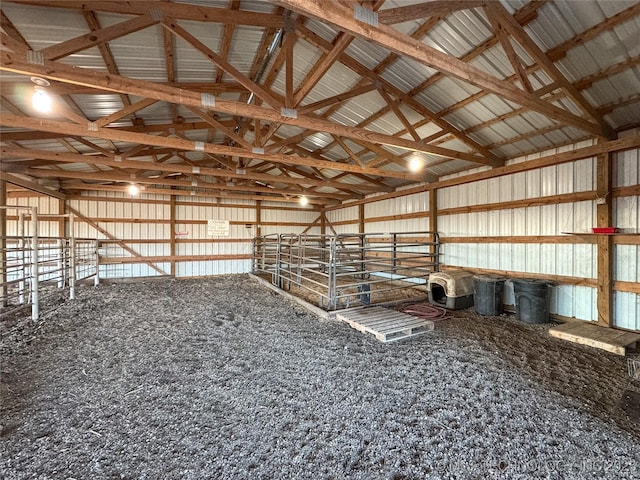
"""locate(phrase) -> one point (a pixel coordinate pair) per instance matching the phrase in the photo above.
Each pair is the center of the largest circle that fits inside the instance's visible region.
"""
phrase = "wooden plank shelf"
(586, 333)
(385, 324)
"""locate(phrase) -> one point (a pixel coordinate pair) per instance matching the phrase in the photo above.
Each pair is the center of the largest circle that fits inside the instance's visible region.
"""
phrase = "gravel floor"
(222, 378)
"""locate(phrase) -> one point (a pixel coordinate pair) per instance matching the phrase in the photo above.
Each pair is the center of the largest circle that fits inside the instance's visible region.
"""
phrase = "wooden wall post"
(604, 242)
(361, 218)
(3, 241)
(62, 223)
(172, 233)
(433, 215)
(258, 218)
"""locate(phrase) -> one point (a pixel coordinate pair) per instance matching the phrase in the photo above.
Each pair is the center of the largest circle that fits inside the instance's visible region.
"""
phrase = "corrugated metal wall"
(571, 259)
(192, 219)
(626, 215)
(144, 226)
(139, 225)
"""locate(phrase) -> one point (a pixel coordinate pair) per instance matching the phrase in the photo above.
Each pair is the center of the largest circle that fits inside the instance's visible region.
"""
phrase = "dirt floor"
(223, 378)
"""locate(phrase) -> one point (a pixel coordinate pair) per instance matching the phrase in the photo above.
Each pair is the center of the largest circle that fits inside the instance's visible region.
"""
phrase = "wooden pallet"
(609, 339)
(386, 325)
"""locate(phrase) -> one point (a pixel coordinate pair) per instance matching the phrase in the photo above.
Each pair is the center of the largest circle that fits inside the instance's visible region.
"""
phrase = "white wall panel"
(626, 309)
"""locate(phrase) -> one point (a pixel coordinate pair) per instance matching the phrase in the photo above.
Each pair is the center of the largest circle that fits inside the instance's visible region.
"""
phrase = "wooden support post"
(605, 243)
(62, 222)
(258, 218)
(172, 233)
(361, 218)
(3, 241)
(433, 220)
(323, 223)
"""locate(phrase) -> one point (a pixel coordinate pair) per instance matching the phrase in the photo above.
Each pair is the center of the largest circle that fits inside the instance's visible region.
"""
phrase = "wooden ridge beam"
(18, 63)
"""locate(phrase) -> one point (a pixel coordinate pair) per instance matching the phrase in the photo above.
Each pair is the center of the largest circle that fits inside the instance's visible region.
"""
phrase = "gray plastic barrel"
(487, 294)
(532, 300)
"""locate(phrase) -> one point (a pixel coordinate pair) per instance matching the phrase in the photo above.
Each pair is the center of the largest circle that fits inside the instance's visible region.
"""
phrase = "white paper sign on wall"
(218, 228)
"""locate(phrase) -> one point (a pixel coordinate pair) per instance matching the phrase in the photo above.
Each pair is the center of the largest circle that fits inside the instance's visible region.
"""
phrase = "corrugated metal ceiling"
(502, 126)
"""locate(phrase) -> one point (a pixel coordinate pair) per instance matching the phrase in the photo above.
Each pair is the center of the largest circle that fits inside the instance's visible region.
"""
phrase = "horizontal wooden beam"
(30, 185)
(532, 239)
(179, 11)
(196, 183)
(17, 152)
(18, 63)
(509, 274)
(190, 145)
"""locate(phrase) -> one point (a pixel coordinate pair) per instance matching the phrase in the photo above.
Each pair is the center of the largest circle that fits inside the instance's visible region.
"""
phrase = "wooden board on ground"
(387, 325)
(609, 339)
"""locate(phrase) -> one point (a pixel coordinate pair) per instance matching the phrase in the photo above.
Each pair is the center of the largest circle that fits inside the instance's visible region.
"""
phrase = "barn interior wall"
(143, 227)
(535, 223)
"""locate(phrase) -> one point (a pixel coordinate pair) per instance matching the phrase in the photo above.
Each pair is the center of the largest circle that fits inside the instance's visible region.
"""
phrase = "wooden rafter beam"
(169, 9)
(195, 181)
(109, 161)
(194, 193)
(105, 51)
(337, 99)
(371, 75)
(83, 42)
(417, 11)
(495, 9)
(343, 17)
(221, 62)
(30, 185)
(125, 112)
(558, 52)
(227, 36)
(19, 64)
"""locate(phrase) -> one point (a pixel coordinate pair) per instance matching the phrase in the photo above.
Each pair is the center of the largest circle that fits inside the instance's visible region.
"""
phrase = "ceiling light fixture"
(416, 163)
(304, 201)
(133, 190)
(41, 100)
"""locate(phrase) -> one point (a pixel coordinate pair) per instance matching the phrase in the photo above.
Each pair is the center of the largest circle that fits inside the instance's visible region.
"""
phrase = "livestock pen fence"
(33, 267)
(347, 269)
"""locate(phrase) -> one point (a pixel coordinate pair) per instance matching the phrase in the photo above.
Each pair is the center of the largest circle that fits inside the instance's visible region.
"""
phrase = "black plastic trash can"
(488, 292)
(532, 300)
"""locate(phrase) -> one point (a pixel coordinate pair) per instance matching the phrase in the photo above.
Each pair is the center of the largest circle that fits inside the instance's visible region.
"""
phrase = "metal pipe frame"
(37, 266)
(340, 270)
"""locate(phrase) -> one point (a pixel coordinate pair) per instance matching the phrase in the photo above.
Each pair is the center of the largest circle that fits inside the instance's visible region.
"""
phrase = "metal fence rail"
(347, 269)
(34, 267)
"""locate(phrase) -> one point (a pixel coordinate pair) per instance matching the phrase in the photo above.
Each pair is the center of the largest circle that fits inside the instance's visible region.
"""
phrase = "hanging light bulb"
(133, 190)
(41, 100)
(304, 201)
(415, 163)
